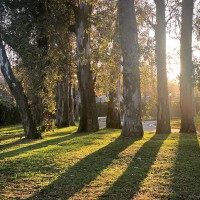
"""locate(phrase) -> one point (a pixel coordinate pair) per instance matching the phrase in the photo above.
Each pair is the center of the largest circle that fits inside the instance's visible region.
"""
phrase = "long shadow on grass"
(17, 132)
(44, 143)
(43, 161)
(8, 145)
(129, 183)
(12, 128)
(82, 173)
(186, 183)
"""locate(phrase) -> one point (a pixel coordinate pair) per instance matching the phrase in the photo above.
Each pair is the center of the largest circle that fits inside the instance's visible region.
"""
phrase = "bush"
(8, 114)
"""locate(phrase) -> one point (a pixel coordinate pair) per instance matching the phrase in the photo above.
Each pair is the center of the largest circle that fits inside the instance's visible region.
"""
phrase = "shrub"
(8, 114)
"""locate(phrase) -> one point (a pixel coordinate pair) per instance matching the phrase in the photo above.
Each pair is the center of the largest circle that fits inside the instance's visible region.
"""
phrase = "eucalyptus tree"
(131, 78)
(163, 117)
(88, 115)
(186, 94)
(106, 57)
(18, 93)
(62, 100)
(24, 29)
(38, 33)
(8, 15)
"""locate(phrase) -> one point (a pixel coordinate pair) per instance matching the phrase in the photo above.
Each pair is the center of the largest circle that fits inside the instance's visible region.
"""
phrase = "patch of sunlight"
(41, 164)
(109, 175)
(19, 148)
(159, 179)
(12, 128)
(77, 151)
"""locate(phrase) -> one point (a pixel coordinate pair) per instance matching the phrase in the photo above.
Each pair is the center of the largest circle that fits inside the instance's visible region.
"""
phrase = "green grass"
(176, 123)
(102, 165)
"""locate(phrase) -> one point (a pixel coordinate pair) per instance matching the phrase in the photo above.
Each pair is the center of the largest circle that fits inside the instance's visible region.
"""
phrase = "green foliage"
(9, 114)
(101, 165)
(148, 91)
(38, 34)
(105, 48)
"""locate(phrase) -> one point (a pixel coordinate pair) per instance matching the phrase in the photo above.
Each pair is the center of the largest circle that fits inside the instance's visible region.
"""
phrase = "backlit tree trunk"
(113, 116)
(131, 78)
(163, 117)
(186, 94)
(88, 115)
(20, 98)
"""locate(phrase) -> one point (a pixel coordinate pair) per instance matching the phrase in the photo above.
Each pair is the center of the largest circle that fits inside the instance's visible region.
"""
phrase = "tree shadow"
(10, 144)
(83, 172)
(12, 132)
(42, 144)
(12, 128)
(129, 183)
(186, 181)
(43, 161)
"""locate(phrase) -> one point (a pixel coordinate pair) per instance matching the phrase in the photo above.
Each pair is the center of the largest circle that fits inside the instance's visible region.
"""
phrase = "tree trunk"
(113, 116)
(71, 106)
(20, 98)
(62, 107)
(163, 117)
(186, 94)
(131, 78)
(76, 96)
(58, 104)
(88, 115)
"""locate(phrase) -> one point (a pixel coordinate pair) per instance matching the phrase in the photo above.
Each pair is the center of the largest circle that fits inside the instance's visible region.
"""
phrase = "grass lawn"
(176, 123)
(102, 165)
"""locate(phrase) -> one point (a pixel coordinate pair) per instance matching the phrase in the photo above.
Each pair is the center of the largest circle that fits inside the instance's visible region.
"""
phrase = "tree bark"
(88, 115)
(113, 116)
(62, 107)
(186, 94)
(76, 96)
(131, 78)
(71, 106)
(163, 116)
(18, 93)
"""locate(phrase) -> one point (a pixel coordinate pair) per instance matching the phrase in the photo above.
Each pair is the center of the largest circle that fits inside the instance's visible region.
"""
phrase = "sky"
(173, 58)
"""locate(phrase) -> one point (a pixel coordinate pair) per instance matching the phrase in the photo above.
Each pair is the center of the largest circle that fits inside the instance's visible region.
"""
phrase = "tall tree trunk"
(58, 104)
(88, 115)
(76, 97)
(18, 93)
(186, 94)
(113, 115)
(131, 78)
(163, 116)
(71, 106)
(62, 107)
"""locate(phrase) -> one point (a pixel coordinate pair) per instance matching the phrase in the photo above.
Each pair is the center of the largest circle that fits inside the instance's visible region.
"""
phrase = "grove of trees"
(65, 53)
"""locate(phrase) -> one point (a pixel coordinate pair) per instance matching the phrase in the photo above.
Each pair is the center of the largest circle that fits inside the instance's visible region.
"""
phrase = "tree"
(18, 93)
(88, 115)
(71, 106)
(186, 94)
(26, 33)
(131, 78)
(62, 103)
(163, 117)
(106, 56)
